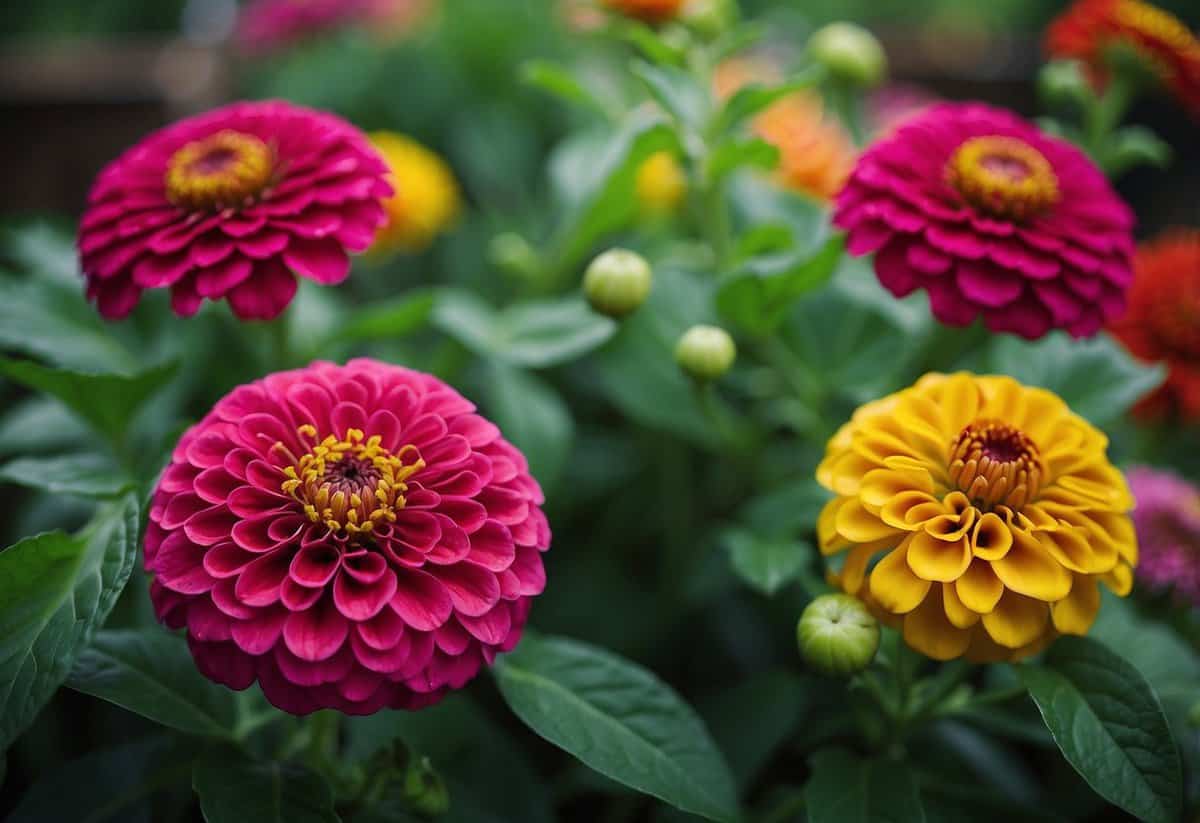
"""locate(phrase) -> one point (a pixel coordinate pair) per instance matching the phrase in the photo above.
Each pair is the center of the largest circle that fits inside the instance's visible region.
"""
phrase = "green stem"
(717, 225)
(844, 100)
(1105, 114)
(324, 728)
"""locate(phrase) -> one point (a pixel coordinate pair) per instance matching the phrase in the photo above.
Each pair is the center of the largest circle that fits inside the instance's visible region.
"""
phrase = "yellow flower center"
(351, 485)
(224, 170)
(994, 464)
(1003, 176)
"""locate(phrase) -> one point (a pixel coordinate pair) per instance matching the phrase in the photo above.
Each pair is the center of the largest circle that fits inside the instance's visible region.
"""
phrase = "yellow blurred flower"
(426, 201)
(661, 183)
(994, 506)
(816, 154)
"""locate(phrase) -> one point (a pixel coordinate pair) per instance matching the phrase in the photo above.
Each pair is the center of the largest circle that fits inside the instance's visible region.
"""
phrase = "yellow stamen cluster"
(1004, 177)
(352, 484)
(225, 170)
(994, 463)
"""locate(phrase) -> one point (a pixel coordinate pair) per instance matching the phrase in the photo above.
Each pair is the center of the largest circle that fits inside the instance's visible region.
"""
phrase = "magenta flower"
(1167, 520)
(232, 204)
(992, 218)
(265, 25)
(352, 537)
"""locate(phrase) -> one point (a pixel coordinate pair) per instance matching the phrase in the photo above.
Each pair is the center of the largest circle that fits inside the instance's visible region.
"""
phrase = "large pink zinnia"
(992, 218)
(353, 537)
(232, 204)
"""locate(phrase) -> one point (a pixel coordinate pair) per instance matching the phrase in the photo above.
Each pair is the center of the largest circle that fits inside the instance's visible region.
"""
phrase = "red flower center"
(993, 463)
(225, 170)
(1003, 176)
(351, 484)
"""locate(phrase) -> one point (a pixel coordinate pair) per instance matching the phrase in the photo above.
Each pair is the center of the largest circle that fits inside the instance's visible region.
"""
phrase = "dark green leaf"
(533, 417)
(759, 296)
(1097, 378)
(844, 789)
(765, 563)
(1134, 146)
(55, 590)
(83, 475)
(390, 319)
(750, 100)
(40, 319)
(41, 425)
(233, 789)
(151, 672)
(106, 401)
(648, 41)
(619, 719)
(753, 718)
(557, 80)
(676, 91)
(1110, 727)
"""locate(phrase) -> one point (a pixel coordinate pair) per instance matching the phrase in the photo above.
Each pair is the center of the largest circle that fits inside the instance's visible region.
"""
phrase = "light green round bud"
(850, 53)
(705, 352)
(512, 253)
(617, 282)
(1062, 82)
(710, 17)
(838, 635)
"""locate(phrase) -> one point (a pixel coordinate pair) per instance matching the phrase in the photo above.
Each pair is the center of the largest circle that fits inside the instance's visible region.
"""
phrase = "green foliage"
(846, 789)
(765, 564)
(233, 789)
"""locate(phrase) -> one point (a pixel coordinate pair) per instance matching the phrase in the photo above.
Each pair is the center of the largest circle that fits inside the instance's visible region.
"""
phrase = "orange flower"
(1088, 29)
(651, 11)
(1163, 321)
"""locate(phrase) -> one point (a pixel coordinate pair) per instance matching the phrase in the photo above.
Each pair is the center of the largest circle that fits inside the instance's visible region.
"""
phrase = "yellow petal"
(1071, 546)
(893, 585)
(828, 538)
(956, 612)
(960, 403)
(991, 538)
(910, 510)
(1075, 613)
(1030, 570)
(927, 630)
(979, 589)
(881, 485)
(858, 525)
(952, 526)
(842, 472)
(855, 568)
(938, 560)
(1120, 580)
(1017, 620)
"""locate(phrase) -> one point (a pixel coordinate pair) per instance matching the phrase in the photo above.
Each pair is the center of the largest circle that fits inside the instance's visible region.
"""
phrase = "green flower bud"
(617, 282)
(1062, 82)
(710, 17)
(424, 791)
(838, 635)
(705, 352)
(850, 53)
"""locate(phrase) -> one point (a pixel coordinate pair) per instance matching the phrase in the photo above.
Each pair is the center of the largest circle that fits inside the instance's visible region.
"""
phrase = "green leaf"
(676, 91)
(751, 99)
(759, 296)
(764, 563)
(150, 672)
(105, 786)
(41, 425)
(648, 42)
(754, 717)
(620, 720)
(1097, 378)
(1134, 146)
(731, 155)
(55, 590)
(391, 319)
(82, 475)
(844, 789)
(533, 416)
(106, 401)
(1109, 725)
(233, 789)
(558, 80)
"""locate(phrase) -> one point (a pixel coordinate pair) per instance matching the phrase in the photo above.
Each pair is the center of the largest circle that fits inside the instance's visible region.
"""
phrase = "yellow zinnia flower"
(661, 183)
(426, 199)
(996, 510)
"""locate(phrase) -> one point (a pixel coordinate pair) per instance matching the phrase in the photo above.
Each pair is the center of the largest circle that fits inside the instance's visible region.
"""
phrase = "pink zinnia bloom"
(232, 204)
(992, 218)
(265, 25)
(352, 537)
(1167, 519)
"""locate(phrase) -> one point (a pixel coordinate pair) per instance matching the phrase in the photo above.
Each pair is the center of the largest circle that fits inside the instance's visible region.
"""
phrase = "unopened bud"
(617, 282)
(838, 635)
(705, 352)
(850, 54)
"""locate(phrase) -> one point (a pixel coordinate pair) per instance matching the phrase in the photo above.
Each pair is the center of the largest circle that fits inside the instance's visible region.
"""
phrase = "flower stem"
(1105, 114)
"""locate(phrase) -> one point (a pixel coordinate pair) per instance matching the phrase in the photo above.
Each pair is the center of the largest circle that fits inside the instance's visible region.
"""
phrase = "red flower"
(232, 204)
(1088, 29)
(1163, 321)
(352, 537)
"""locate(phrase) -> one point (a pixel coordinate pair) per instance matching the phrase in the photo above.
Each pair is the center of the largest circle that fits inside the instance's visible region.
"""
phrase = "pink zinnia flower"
(992, 218)
(1167, 519)
(265, 25)
(232, 204)
(353, 537)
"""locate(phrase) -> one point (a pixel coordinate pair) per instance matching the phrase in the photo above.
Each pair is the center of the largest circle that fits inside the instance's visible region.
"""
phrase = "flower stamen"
(222, 171)
(994, 464)
(1004, 177)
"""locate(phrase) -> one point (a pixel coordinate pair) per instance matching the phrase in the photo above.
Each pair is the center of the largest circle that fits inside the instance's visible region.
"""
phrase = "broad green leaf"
(233, 789)
(750, 100)
(44, 320)
(1097, 378)
(44, 249)
(845, 789)
(82, 475)
(55, 590)
(150, 672)
(106, 401)
(647, 40)
(559, 81)
(753, 718)
(1109, 725)
(533, 416)
(390, 319)
(731, 155)
(677, 91)
(759, 296)
(767, 564)
(620, 720)
(106, 786)
(1134, 146)
(40, 425)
